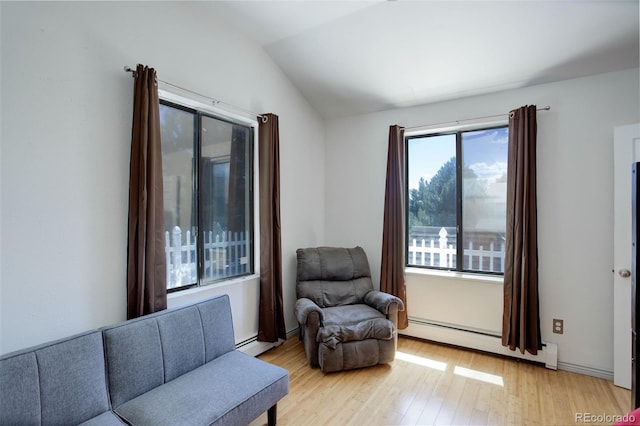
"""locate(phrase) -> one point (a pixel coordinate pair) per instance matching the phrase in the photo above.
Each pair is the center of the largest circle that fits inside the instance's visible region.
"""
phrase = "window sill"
(460, 276)
(181, 297)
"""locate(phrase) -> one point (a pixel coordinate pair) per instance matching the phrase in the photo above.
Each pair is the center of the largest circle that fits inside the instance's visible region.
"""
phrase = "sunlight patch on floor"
(479, 375)
(418, 360)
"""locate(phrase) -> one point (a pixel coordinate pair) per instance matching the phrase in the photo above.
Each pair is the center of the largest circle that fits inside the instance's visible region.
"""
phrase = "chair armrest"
(381, 301)
(304, 307)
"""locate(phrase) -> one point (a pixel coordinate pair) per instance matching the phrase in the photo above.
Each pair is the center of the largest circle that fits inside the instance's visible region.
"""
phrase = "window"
(456, 216)
(207, 165)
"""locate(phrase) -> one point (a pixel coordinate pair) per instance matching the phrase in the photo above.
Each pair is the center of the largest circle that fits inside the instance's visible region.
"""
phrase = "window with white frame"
(208, 171)
(456, 190)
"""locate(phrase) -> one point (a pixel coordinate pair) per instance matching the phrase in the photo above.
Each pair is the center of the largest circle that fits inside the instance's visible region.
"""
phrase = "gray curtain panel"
(393, 232)
(271, 325)
(521, 318)
(146, 265)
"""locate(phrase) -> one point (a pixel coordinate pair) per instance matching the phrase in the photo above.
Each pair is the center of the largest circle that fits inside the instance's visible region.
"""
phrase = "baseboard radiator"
(476, 339)
(253, 347)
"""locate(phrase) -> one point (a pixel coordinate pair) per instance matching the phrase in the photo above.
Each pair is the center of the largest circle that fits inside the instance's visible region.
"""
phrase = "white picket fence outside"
(220, 250)
(443, 256)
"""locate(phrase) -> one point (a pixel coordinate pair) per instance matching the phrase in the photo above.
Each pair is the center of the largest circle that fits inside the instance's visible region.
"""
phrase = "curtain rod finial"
(127, 68)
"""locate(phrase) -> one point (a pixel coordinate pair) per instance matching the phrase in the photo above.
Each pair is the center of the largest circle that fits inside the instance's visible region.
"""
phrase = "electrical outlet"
(558, 326)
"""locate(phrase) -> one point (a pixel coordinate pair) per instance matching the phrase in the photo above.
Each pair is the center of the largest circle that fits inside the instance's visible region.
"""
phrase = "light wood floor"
(430, 383)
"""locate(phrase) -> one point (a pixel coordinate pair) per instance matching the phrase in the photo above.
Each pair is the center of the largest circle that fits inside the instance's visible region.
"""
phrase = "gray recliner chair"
(344, 322)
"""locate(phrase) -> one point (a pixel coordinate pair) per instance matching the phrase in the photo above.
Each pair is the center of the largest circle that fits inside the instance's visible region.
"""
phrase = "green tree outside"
(433, 203)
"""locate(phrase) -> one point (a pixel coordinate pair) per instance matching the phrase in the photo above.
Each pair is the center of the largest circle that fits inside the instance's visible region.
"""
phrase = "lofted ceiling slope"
(355, 57)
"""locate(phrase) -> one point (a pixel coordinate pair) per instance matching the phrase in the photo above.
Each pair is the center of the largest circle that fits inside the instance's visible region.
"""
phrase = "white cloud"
(489, 171)
(499, 137)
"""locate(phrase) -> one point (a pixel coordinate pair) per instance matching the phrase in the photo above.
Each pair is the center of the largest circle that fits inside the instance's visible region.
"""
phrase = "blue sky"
(484, 152)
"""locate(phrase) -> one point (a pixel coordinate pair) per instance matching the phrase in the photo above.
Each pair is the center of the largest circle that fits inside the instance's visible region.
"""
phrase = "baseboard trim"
(588, 371)
(478, 340)
(293, 332)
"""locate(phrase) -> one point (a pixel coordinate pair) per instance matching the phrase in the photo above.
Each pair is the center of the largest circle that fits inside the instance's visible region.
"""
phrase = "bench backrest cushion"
(19, 389)
(146, 352)
(61, 382)
(134, 359)
(217, 327)
(180, 330)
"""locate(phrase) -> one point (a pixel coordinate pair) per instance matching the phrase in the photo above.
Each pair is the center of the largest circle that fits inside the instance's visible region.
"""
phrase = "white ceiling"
(353, 57)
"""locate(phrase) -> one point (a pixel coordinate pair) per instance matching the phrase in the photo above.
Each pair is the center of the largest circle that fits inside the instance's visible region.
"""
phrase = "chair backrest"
(333, 276)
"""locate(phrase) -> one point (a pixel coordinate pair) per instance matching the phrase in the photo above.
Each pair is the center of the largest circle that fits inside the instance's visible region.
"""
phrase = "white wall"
(575, 181)
(66, 126)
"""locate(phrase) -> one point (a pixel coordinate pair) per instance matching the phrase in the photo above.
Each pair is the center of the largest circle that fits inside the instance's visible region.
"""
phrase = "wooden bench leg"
(271, 415)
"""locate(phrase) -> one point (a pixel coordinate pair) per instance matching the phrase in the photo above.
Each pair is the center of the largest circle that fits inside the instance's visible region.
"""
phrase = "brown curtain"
(146, 264)
(393, 231)
(270, 314)
(521, 318)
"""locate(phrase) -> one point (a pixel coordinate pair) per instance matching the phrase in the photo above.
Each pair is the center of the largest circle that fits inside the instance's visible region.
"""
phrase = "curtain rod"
(214, 101)
(546, 108)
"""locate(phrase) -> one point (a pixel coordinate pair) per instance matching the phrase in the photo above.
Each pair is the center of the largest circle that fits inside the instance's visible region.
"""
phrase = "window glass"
(225, 198)
(432, 200)
(456, 188)
(484, 199)
(177, 135)
(208, 190)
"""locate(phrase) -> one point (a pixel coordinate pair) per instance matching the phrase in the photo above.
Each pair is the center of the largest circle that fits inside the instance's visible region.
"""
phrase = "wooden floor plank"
(438, 384)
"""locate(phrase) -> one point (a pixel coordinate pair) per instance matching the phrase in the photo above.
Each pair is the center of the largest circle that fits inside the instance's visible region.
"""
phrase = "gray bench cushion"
(61, 382)
(221, 392)
(174, 367)
(19, 390)
(182, 342)
(217, 326)
(146, 352)
(104, 419)
(134, 359)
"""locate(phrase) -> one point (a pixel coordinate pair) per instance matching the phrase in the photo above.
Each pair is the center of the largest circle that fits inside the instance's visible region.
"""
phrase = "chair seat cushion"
(349, 314)
(376, 328)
